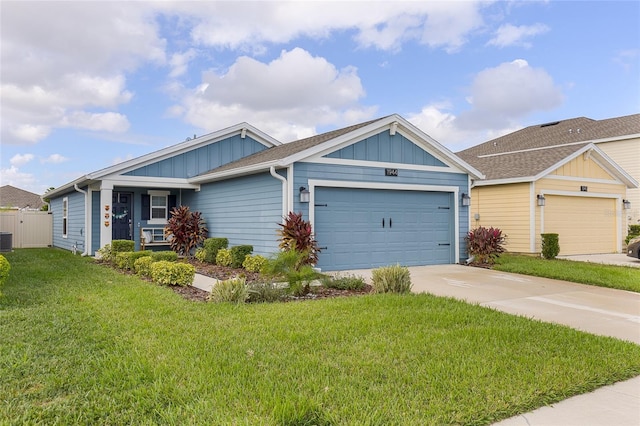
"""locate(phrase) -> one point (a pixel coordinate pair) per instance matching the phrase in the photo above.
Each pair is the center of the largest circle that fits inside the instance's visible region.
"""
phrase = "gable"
(201, 159)
(582, 166)
(387, 148)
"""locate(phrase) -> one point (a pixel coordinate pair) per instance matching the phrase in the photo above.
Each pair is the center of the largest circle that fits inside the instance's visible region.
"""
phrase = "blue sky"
(85, 84)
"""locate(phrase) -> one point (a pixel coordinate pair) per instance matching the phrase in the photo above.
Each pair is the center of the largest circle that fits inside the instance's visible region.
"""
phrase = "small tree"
(485, 244)
(550, 245)
(185, 230)
(296, 234)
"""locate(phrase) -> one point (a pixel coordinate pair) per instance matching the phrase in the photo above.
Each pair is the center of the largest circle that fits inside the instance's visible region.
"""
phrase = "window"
(65, 216)
(156, 206)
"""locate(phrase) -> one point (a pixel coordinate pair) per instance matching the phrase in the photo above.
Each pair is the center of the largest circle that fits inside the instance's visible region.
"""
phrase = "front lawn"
(83, 344)
(619, 277)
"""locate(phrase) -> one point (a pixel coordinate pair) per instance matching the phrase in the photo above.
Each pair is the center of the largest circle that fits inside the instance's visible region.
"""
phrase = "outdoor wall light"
(466, 200)
(541, 200)
(304, 195)
(626, 204)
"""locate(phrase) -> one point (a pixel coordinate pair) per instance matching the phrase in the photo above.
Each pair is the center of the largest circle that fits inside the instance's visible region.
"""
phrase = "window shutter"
(146, 206)
(172, 202)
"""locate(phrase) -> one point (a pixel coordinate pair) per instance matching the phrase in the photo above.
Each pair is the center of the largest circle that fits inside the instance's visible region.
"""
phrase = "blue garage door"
(365, 228)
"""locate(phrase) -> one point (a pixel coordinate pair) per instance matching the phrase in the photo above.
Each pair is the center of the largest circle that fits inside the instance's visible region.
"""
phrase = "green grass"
(83, 344)
(618, 277)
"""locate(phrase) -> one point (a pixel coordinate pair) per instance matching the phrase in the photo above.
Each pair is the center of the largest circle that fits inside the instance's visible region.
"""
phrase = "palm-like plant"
(185, 230)
(296, 234)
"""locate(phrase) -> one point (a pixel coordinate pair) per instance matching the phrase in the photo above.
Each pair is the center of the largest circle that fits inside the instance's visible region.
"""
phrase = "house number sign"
(391, 172)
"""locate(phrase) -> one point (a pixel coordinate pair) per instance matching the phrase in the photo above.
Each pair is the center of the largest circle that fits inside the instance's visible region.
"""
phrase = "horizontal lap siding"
(506, 207)
(245, 210)
(75, 221)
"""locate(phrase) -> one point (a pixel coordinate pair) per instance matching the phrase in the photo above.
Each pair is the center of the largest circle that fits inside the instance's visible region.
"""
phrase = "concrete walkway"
(592, 309)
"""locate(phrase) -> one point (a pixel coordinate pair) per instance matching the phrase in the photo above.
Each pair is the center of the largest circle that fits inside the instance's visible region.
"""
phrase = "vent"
(553, 123)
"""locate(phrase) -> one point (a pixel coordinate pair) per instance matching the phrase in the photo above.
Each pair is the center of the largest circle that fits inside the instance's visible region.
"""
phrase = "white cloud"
(54, 159)
(108, 121)
(14, 177)
(287, 97)
(511, 35)
(19, 160)
(179, 62)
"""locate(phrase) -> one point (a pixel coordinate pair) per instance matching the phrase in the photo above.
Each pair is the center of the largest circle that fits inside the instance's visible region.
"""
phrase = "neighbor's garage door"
(364, 228)
(585, 225)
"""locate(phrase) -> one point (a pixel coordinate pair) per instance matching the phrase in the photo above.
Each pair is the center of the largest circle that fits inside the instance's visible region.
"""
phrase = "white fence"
(29, 229)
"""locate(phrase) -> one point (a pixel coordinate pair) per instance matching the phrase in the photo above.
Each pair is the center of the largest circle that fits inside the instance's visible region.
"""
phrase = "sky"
(85, 85)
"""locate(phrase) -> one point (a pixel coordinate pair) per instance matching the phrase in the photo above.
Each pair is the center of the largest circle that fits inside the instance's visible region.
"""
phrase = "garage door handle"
(390, 223)
(383, 222)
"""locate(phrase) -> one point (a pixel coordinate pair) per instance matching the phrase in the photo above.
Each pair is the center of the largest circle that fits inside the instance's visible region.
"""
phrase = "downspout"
(86, 217)
(285, 208)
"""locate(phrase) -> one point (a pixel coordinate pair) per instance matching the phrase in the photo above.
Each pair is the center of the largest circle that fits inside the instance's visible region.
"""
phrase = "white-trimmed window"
(65, 216)
(159, 205)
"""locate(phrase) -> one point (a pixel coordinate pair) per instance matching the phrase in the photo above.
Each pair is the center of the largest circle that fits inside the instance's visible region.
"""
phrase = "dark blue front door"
(121, 216)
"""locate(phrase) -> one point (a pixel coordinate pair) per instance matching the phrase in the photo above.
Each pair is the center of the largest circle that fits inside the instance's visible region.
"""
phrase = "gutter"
(86, 218)
(285, 208)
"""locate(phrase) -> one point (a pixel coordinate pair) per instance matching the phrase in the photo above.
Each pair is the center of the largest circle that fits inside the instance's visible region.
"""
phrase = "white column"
(106, 196)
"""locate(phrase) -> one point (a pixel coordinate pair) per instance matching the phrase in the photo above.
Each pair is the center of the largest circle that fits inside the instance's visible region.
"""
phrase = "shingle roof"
(287, 149)
(12, 197)
(533, 149)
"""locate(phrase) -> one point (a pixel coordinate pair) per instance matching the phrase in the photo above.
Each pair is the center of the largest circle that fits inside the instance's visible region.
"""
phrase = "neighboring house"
(557, 178)
(376, 193)
(12, 198)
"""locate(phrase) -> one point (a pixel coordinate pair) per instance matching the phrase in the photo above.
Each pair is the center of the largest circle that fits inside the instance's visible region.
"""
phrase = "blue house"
(376, 193)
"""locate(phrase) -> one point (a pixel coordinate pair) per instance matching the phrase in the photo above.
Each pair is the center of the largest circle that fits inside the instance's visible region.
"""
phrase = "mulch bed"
(225, 272)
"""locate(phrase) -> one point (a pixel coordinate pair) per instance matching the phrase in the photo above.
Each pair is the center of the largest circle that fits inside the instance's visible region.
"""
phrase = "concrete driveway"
(593, 309)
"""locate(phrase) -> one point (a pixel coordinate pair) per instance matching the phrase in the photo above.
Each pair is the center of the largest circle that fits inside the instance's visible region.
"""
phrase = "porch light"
(304, 195)
(626, 204)
(466, 200)
(541, 200)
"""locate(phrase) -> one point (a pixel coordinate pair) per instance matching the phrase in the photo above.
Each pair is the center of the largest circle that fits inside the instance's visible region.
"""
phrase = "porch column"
(106, 196)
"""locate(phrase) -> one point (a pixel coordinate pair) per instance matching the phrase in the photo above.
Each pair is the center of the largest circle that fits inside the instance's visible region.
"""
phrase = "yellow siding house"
(553, 178)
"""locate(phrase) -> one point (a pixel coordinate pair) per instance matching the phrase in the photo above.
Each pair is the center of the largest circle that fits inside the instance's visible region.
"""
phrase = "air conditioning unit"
(6, 241)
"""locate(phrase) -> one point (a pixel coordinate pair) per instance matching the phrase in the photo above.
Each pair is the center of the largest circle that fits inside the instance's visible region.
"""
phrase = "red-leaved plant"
(296, 234)
(485, 244)
(185, 230)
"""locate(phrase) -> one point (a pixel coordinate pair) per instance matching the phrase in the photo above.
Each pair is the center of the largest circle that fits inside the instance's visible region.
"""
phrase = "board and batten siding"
(626, 154)
(202, 159)
(246, 210)
(506, 207)
(305, 171)
(75, 221)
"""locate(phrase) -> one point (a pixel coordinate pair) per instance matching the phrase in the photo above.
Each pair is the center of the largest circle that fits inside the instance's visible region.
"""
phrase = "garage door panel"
(348, 222)
(585, 225)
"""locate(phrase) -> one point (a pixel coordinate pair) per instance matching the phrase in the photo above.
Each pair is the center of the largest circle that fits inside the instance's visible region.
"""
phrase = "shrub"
(142, 266)
(118, 246)
(634, 231)
(201, 254)
(290, 265)
(485, 244)
(5, 267)
(264, 292)
(550, 245)
(296, 234)
(346, 282)
(233, 290)
(212, 245)
(170, 256)
(254, 263)
(172, 273)
(238, 254)
(105, 254)
(223, 258)
(185, 230)
(125, 260)
(391, 279)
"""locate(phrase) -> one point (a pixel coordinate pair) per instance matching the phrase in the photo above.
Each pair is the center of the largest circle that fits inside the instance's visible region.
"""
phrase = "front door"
(122, 216)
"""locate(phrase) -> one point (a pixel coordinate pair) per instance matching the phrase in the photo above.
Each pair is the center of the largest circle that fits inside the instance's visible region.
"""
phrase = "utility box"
(6, 241)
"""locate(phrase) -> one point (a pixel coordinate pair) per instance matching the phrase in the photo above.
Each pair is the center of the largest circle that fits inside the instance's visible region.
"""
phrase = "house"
(12, 198)
(376, 193)
(558, 178)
